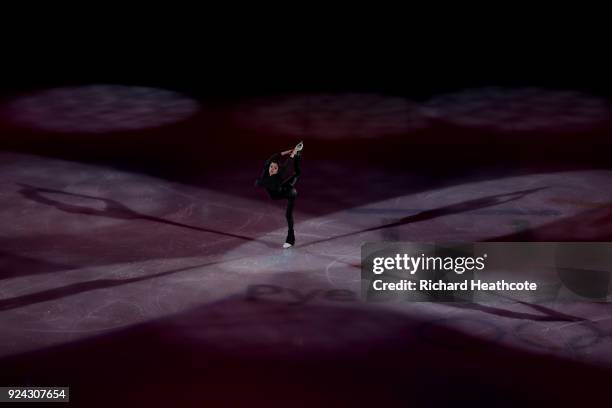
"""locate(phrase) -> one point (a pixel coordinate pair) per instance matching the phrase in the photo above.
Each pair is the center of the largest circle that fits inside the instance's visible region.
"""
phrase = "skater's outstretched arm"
(293, 151)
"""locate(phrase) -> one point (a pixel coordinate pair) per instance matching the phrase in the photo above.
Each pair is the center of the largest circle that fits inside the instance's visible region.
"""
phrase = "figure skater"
(279, 184)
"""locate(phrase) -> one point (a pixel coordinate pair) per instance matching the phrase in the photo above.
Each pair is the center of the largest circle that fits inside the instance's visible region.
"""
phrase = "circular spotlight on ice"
(98, 109)
(520, 110)
(331, 116)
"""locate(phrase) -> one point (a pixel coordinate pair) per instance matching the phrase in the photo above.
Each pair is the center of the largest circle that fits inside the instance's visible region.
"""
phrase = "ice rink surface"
(89, 252)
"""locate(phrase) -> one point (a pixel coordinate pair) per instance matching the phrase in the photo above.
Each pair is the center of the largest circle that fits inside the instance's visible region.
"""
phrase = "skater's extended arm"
(292, 152)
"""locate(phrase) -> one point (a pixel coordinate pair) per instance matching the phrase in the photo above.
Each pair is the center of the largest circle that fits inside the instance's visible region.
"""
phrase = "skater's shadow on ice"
(464, 206)
(112, 209)
(547, 314)
(80, 287)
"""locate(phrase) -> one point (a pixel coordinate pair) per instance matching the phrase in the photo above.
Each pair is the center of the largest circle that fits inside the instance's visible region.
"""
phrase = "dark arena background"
(140, 266)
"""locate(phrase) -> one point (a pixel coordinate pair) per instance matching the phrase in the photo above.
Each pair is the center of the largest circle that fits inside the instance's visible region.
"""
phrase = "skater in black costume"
(276, 178)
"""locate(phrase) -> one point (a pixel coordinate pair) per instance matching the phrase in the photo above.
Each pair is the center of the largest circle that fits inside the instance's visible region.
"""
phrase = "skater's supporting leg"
(289, 217)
